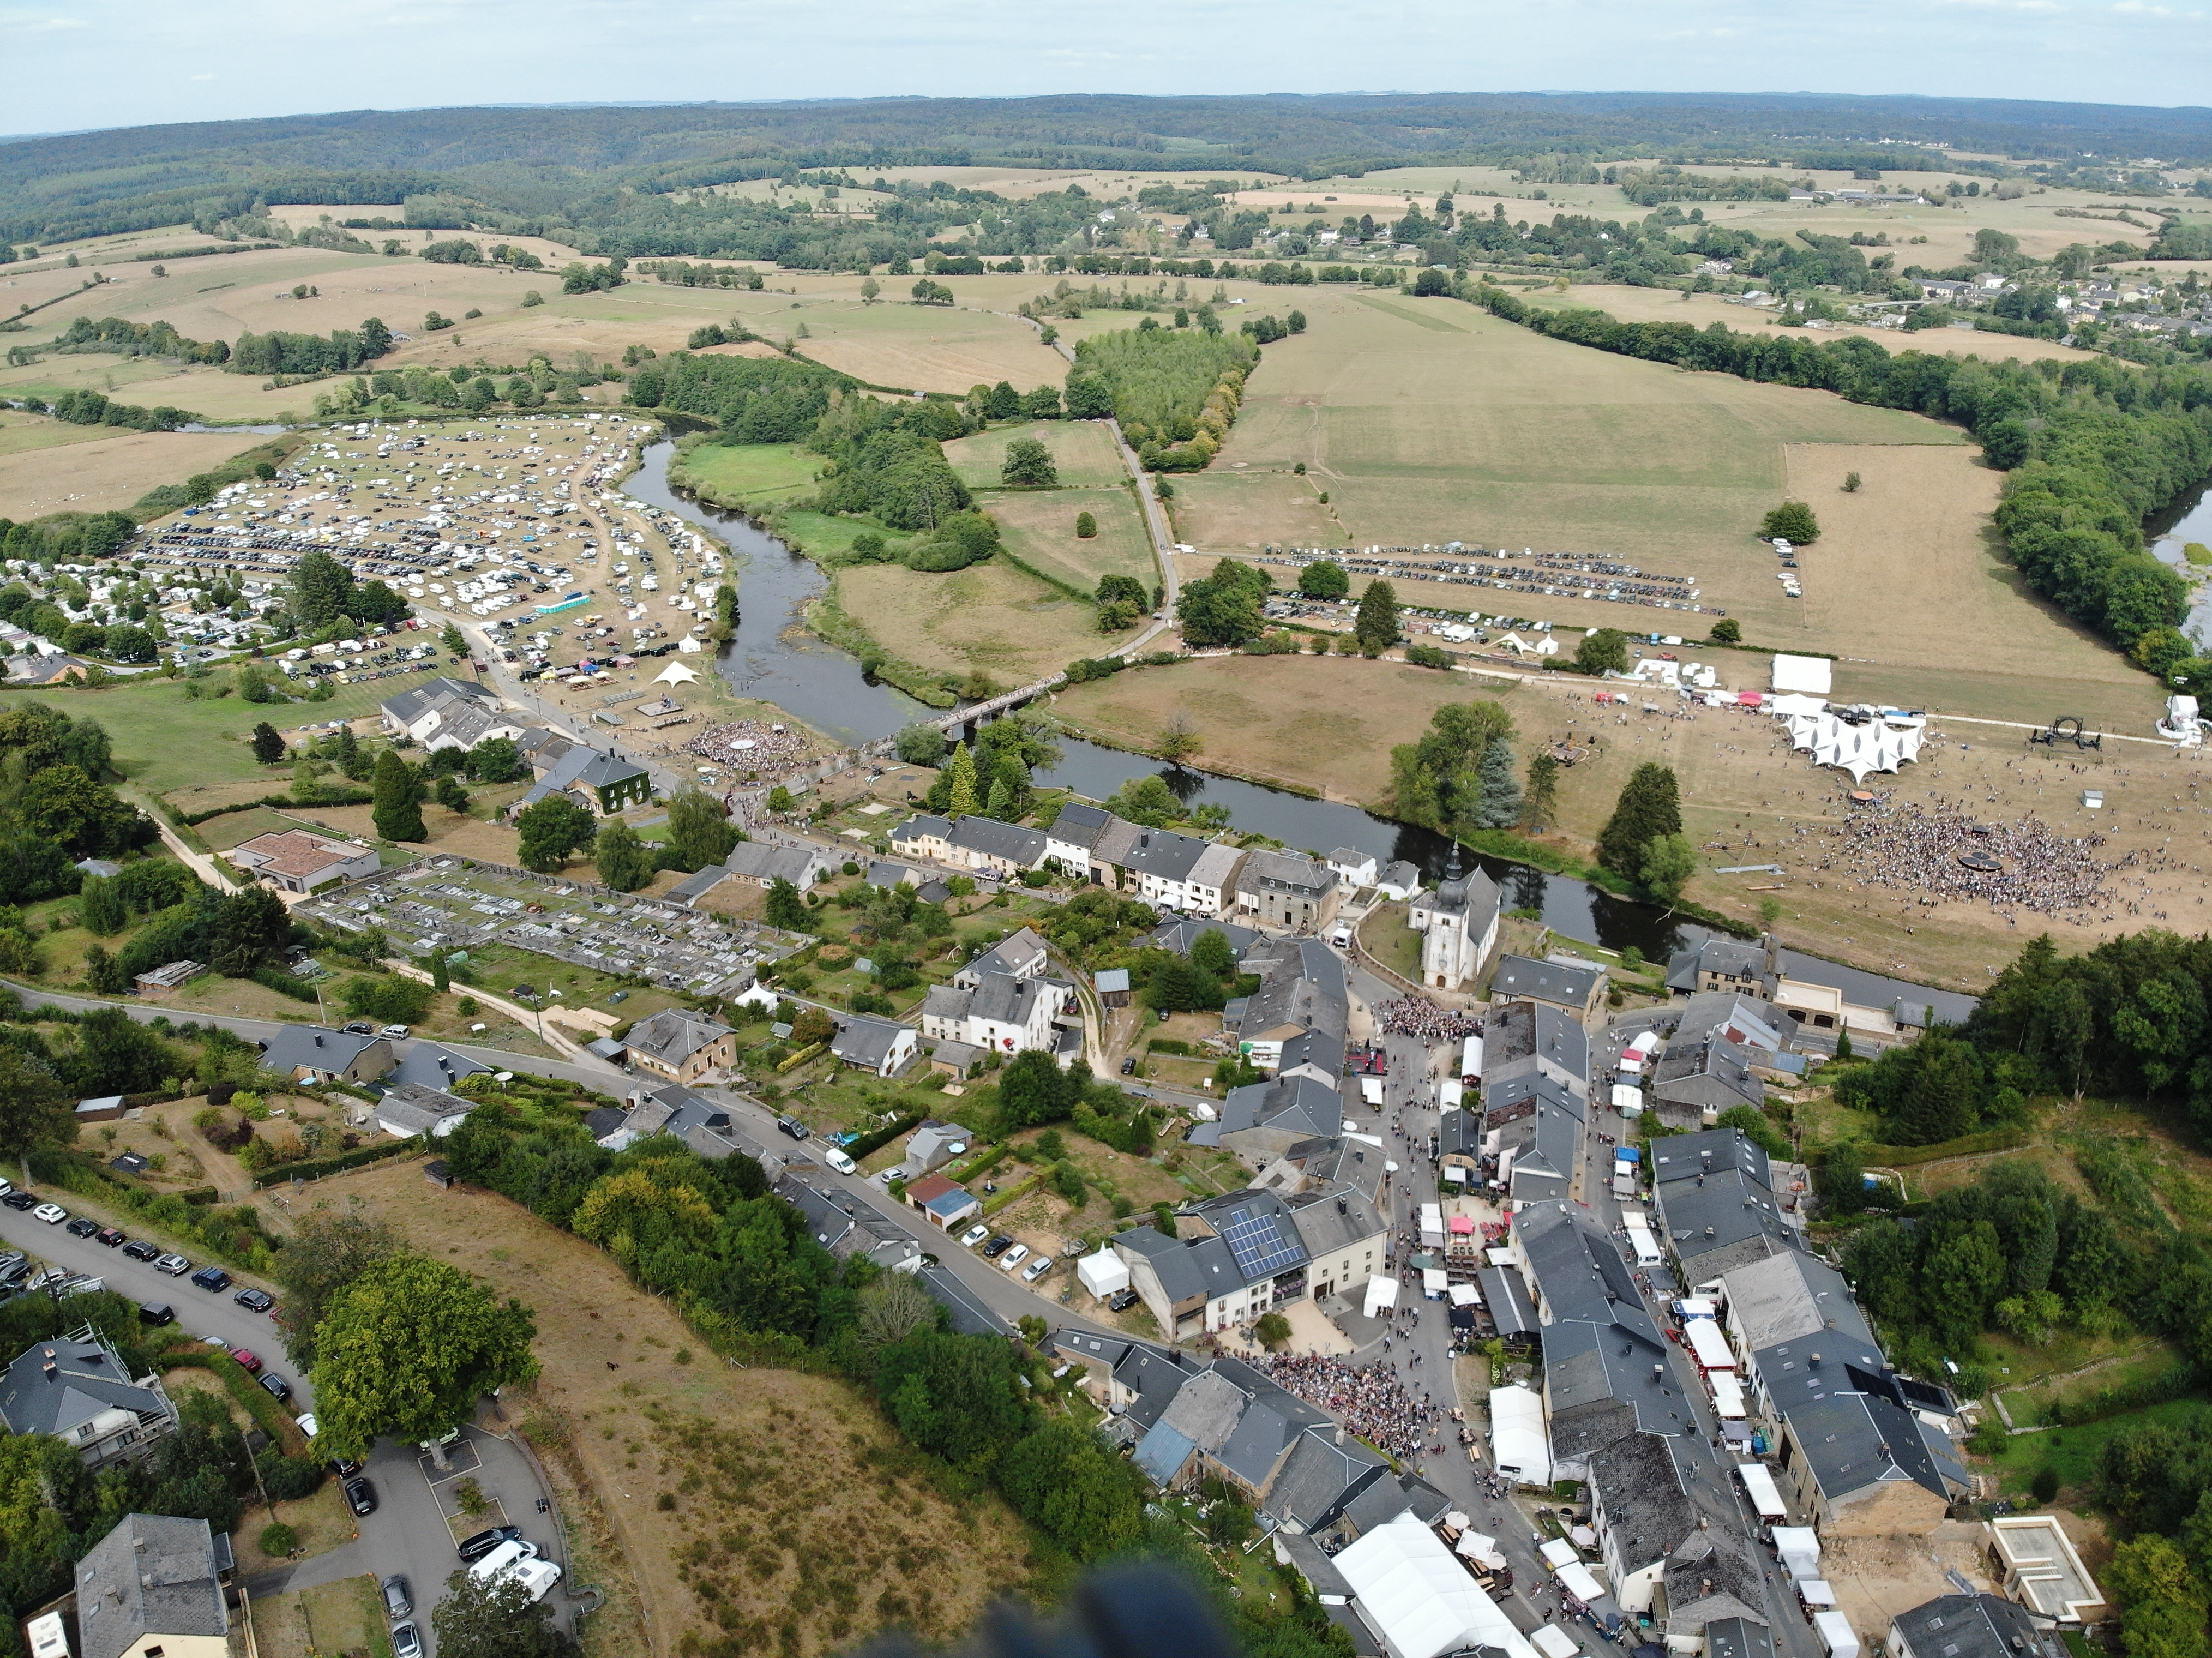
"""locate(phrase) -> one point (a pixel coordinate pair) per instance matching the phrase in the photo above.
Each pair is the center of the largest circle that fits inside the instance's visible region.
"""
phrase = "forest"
(615, 172)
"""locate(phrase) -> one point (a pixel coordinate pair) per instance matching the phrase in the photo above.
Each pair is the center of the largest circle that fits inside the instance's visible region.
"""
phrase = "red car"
(246, 1360)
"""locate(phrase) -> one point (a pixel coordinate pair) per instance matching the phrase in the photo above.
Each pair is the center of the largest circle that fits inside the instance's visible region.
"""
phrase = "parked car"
(360, 1496)
(343, 1467)
(394, 1030)
(255, 1301)
(793, 1126)
(276, 1384)
(1013, 1257)
(997, 1246)
(247, 1360)
(52, 1213)
(838, 1161)
(1122, 1300)
(175, 1266)
(139, 1249)
(974, 1236)
(1036, 1269)
(406, 1641)
(1129, 1066)
(474, 1548)
(82, 1227)
(397, 1603)
(112, 1236)
(361, 1028)
(156, 1312)
(17, 1199)
(213, 1279)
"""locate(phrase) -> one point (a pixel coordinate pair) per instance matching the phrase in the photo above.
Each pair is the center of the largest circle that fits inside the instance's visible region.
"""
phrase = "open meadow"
(104, 471)
(1328, 724)
(989, 618)
(779, 1482)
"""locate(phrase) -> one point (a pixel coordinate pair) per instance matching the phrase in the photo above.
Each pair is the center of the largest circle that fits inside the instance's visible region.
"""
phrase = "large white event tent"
(1517, 1442)
(1877, 745)
(1418, 1599)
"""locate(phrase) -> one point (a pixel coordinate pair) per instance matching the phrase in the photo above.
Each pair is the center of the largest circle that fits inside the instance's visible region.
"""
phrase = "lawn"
(2073, 1451)
(1082, 452)
(345, 1617)
(1039, 528)
(767, 1470)
(989, 617)
(746, 474)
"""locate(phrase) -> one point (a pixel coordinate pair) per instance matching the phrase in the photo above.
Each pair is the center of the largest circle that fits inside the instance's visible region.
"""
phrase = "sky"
(90, 63)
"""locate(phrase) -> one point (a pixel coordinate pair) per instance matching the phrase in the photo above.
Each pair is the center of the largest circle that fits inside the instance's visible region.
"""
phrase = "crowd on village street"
(1416, 1016)
(1373, 1401)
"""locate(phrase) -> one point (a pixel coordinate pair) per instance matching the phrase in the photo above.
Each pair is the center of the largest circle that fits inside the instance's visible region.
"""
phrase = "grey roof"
(431, 1065)
(1174, 1262)
(87, 1378)
(1474, 895)
(765, 862)
(1850, 1417)
(1507, 1298)
(673, 1034)
(415, 1109)
(1381, 1501)
(1021, 953)
(152, 1575)
(1152, 1376)
(1403, 873)
(1524, 1037)
(1331, 1218)
(1296, 1105)
(882, 873)
(1080, 825)
(1716, 1211)
(1521, 1096)
(1285, 871)
(1549, 981)
(1738, 1637)
(865, 1040)
(970, 1315)
(1684, 1156)
(987, 836)
(1205, 1409)
(1732, 958)
(1791, 1295)
(1546, 1144)
(1599, 1382)
(1179, 936)
(1706, 1070)
(1320, 1476)
(1302, 984)
(1578, 1270)
(411, 705)
(693, 888)
(1162, 854)
(1968, 1626)
(1640, 1485)
(1312, 1561)
(1256, 1239)
(296, 1045)
(922, 826)
(1731, 1014)
(588, 767)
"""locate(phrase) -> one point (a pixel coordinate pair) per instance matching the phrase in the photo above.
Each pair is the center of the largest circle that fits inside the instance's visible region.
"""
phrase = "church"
(1458, 924)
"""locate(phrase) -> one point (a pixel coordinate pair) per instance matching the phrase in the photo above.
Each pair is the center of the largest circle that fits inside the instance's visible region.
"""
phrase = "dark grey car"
(397, 1602)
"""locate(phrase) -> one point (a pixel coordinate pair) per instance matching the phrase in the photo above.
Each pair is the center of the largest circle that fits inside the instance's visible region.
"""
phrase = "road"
(1155, 524)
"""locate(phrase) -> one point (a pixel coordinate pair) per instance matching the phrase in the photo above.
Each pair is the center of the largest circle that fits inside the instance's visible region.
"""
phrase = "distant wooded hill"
(516, 169)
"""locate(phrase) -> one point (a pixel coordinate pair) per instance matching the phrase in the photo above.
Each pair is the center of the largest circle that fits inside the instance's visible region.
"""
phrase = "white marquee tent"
(1381, 1294)
(1808, 675)
(1103, 1274)
(1878, 745)
(1518, 1445)
(1418, 1599)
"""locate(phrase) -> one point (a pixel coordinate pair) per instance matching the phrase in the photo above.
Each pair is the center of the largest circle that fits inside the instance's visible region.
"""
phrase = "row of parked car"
(1008, 1254)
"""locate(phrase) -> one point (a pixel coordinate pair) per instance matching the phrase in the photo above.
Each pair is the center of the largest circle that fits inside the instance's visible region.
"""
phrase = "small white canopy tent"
(1553, 1641)
(1518, 1444)
(1580, 1582)
(1758, 1485)
(1102, 1274)
(1808, 676)
(1420, 1600)
(1799, 1547)
(1836, 1634)
(1381, 1296)
(1709, 1346)
(1557, 1552)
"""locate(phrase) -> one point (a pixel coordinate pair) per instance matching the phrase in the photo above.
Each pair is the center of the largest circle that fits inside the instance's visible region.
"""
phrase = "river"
(2188, 518)
(774, 659)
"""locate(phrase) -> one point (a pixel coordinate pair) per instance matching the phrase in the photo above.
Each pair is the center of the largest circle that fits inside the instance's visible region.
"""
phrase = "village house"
(310, 1053)
(1072, 835)
(601, 781)
(1296, 1023)
(409, 1109)
(294, 860)
(1167, 870)
(756, 863)
(1240, 1256)
(1287, 892)
(1578, 987)
(75, 1388)
(448, 713)
(152, 1588)
(1001, 1014)
(931, 1147)
(680, 1046)
(882, 1048)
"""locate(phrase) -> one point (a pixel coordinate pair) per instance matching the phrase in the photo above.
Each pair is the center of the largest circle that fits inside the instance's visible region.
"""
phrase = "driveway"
(410, 1533)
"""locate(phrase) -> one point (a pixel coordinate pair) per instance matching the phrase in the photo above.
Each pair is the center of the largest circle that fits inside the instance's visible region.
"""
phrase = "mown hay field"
(1082, 452)
(922, 348)
(106, 474)
(1038, 527)
(989, 617)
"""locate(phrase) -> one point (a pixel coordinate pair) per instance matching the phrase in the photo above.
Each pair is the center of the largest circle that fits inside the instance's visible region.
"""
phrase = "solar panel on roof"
(1258, 1244)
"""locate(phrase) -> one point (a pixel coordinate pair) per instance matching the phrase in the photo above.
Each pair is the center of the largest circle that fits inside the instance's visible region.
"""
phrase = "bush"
(2046, 1477)
(289, 1480)
(278, 1538)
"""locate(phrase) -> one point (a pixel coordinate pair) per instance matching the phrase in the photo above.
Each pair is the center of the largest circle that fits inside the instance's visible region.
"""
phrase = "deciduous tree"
(624, 864)
(552, 831)
(328, 1250)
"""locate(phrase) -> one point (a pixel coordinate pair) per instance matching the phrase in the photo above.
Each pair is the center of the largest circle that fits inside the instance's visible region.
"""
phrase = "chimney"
(1814, 1361)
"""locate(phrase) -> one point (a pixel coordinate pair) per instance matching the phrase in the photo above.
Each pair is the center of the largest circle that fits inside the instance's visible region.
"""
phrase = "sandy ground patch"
(769, 1468)
(107, 473)
(1875, 1578)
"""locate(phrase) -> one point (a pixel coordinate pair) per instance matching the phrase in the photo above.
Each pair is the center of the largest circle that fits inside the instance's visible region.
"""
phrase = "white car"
(974, 1236)
(1013, 1257)
(393, 1030)
(838, 1161)
(52, 1213)
(1036, 1269)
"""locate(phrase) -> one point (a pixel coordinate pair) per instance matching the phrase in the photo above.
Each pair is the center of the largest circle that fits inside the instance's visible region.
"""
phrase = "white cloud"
(29, 23)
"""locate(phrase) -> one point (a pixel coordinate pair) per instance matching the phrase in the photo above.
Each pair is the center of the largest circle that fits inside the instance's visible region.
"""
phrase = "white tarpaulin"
(1371, 1089)
(1816, 1594)
(1465, 1295)
(1646, 1247)
(1758, 1485)
(1808, 675)
(1799, 1547)
(1580, 1582)
(1456, 1173)
(1419, 1599)
(676, 673)
(1451, 1092)
(1558, 1551)
(1518, 1444)
(1708, 1345)
(1382, 1293)
(1433, 1226)
(1103, 1274)
(1470, 1057)
(1553, 1641)
(1626, 1099)
(1434, 1283)
(1727, 1399)
(1835, 1632)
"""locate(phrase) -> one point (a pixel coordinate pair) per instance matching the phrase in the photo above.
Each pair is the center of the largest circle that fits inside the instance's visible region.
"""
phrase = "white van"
(510, 1553)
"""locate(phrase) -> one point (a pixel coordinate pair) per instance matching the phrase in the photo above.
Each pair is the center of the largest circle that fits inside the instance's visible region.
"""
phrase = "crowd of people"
(1370, 1400)
(753, 746)
(1940, 851)
(1416, 1016)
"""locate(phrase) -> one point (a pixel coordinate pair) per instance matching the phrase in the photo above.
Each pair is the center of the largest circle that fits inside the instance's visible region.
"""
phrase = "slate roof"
(1324, 1227)
(1152, 1376)
(970, 1315)
(1735, 958)
(1180, 935)
(1717, 1212)
(923, 826)
(1172, 1260)
(1706, 1070)
(1080, 825)
(863, 1040)
(1297, 1105)
(414, 1109)
(1286, 871)
(1302, 986)
(411, 705)
(152, 1575)
(1789, 1297)
(294, 1046)
(1024, 848)
(431, 1065)
(1022, 953)
(1549, 981)
(1849, 1419)
(1968, 1626)
(760, 861)
(88, 1378)
(1507, 1298)
(673, 1034)
(1684, 1156)
(1161, 853)
(1321, 1476)
(1381, 1501)
(1523, 1037)
(1600, 1384)
(1577, 1269)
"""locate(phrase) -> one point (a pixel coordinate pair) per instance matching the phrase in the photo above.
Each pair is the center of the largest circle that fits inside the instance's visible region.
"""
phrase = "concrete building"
(448, 713)
(152, 1588)
(680, 1046)
(1287, 892)
(294, 860)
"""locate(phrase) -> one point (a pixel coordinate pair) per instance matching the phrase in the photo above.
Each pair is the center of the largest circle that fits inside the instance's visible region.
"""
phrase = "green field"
(1082, 451)
(746, 474)
(1039, 528)
(2073, 1451)
(164, 741)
